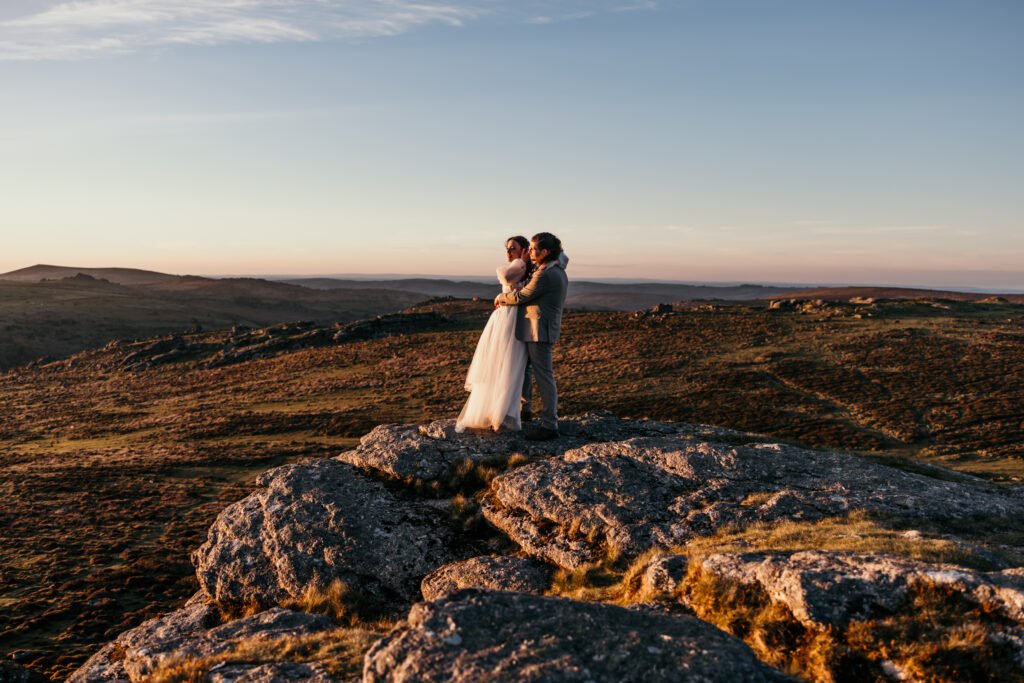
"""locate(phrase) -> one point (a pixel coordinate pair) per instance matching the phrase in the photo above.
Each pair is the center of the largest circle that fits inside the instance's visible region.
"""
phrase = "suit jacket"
(540, 303)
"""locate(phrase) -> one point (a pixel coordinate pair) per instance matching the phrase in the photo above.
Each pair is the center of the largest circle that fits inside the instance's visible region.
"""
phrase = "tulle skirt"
(495, 378)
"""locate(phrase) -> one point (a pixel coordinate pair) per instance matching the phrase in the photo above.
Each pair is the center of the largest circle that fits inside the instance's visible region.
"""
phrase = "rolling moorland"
(49, 311)
(115, 461)
(54, 311)
(591, 296)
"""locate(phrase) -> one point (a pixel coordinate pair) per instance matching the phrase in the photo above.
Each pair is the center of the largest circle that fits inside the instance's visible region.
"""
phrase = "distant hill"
(121, 276)
(47, 317)
(846, 293)
(461, 289)
(595, 296)
(53, 311)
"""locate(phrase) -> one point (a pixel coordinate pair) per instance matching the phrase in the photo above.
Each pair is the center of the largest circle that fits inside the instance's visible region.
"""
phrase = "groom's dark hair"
(520, 240)
(545, 240)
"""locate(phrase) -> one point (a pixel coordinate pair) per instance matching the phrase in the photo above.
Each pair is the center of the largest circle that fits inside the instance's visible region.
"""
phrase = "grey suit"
(539, 325)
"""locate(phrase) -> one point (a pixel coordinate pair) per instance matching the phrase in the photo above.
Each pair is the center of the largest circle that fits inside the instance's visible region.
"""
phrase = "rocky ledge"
(625, 550)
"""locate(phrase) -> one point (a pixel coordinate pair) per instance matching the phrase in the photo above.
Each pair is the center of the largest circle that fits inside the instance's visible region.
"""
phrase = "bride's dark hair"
(520, 240)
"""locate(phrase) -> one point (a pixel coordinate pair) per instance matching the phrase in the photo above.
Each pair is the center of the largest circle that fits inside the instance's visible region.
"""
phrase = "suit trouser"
(539, 355)
(527, 384)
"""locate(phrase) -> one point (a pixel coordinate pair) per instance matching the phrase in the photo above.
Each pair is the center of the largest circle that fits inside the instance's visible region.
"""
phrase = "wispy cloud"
(874, 230)
(86, 28)
(553, 12)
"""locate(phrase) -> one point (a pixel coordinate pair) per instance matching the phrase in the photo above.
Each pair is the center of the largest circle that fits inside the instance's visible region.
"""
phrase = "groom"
(539, 323)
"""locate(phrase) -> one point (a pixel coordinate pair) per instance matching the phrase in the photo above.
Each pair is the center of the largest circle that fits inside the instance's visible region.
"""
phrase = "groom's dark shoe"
(542, 434)
(526, 415)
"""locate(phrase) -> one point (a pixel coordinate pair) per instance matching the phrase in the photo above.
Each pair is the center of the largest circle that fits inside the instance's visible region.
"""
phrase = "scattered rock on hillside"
(829, 589)
(388, 325)
(246, 345)
(514, 574)
(431, 452)
(624, 498)
(155, 352)
(656, 311)
(242, 344)
(311, 524)
(496, 636)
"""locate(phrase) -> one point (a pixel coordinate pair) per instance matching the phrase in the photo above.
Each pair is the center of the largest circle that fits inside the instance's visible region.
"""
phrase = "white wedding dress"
(495, 378)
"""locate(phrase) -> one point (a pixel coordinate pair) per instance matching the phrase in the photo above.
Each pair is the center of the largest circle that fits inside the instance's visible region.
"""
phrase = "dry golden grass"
(857, 532)
(937, 636)
(608, 580)
(940, 637)
(341, 602)
(340, 652)
(474, 475)
(591, 583)
(467, 477)
(770, 629)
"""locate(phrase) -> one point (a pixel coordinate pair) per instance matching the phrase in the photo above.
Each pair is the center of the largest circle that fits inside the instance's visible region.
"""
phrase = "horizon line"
(787, 284)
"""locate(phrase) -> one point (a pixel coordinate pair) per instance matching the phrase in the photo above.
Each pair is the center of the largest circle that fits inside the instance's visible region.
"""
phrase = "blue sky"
(721, 140)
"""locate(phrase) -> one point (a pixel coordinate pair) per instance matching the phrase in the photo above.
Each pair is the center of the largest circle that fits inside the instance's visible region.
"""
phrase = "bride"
(495, 378)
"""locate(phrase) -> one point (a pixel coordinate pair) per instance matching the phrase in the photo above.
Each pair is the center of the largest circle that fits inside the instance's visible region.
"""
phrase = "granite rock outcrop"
(626, 499)
(623, 498)
(311, 525)
(187, 634)
(503, 572)
(498, 636)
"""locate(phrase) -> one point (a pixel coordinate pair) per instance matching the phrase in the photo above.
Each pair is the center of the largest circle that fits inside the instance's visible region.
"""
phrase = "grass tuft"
(339, 651)
(861, 532)
(340, 601)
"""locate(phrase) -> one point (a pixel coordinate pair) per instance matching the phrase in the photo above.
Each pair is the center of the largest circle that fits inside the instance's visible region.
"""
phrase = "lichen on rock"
(312, 524)
(497, 636)
(503, 572)
(620, 499)
(431, 452)
(187, 633)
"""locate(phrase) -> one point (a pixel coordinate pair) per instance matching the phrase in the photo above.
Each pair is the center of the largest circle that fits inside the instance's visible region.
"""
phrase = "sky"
(790, 141)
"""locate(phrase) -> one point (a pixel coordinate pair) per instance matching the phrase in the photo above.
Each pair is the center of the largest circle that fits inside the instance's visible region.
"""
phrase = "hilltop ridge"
(54, 311)
(121, 276)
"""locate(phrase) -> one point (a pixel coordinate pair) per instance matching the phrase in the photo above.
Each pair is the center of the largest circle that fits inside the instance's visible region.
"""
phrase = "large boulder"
(866, 616)
(494, 572)
(432, 452)
(105, 666)
(311, 525)
(622, 498)
(830, 589)
(496, 636)
(188, 634)
(113, 661)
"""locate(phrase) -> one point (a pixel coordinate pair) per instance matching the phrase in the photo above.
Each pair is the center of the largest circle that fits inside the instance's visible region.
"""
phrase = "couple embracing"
(515, 346)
